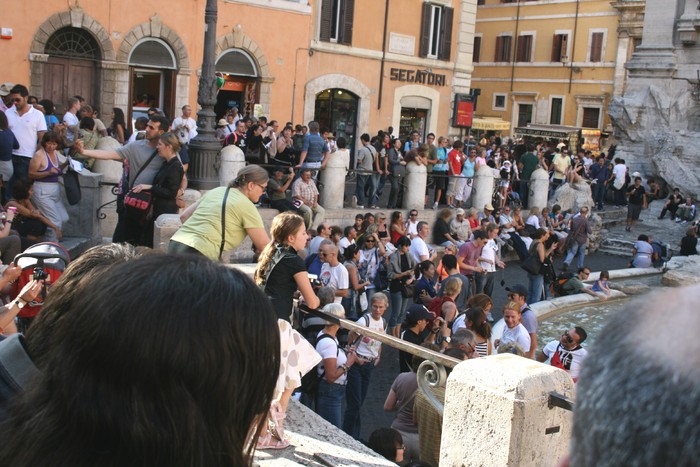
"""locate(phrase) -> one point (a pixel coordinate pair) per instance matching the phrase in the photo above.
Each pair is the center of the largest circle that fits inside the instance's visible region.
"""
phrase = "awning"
(547, 131)
(490, 123)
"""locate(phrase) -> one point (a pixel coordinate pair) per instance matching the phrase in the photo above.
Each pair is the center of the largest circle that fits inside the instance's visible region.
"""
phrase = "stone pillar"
(538, 189)
(82, 218)
(465, 16)
(416, 180)
(164, 228)
(333, 179)
(505, 396)
(655, 57)
(111, 174)
(482, 191)
(232, 160)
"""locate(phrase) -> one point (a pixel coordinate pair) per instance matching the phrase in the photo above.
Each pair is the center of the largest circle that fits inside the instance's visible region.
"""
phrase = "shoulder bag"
(223, 223)
(139, 206)
(532, 263)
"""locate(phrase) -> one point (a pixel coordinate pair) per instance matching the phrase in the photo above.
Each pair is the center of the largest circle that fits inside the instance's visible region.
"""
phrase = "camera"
(39, 274)
(315, 282)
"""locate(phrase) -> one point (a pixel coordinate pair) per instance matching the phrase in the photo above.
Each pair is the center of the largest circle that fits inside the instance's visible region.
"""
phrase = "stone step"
(77, 245)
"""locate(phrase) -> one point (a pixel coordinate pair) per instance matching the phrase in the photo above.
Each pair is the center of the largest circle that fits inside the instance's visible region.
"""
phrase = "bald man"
(638, 398)
(333, 274)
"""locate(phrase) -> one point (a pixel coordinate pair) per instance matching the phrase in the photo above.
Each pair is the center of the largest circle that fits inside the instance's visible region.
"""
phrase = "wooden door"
(64, 78)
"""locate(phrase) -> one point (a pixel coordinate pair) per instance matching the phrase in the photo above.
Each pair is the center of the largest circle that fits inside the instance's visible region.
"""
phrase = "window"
(524, 114)
(591, 117)
(557, 107)
(596, 50)
(524, 48)
(476, 54)
(336, 21)
(499, 102)
(560, 45)
(436, 31)
(503, 49)
(481, 2)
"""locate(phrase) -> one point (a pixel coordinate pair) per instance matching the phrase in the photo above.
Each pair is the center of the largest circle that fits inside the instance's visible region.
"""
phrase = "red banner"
(465, 110)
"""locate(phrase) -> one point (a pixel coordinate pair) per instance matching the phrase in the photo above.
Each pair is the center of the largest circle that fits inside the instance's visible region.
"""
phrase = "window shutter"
(326, 18)
(348, 15)
(556, 48)
(425, 30)
(597, 47)
(446, 33)
(499, 49)
(476, 54)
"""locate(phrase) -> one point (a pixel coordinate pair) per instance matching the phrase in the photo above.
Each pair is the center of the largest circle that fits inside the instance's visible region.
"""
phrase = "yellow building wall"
(542, 77)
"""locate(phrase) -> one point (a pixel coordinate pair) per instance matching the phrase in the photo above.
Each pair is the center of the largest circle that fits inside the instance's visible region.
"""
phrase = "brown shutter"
(476, 54)
(556, 48)
(326, 20)
(597, 47)
(523, 49)
(425, 30)
(499, 49)
(446, 33)
(348, 15)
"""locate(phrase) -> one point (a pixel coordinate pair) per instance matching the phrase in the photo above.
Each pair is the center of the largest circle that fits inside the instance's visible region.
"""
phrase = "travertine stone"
(333, 179)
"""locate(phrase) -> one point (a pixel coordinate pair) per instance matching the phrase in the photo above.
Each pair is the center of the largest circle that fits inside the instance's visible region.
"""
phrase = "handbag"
(406, 290)
(139, 206)
(532, 263)
(71, 183)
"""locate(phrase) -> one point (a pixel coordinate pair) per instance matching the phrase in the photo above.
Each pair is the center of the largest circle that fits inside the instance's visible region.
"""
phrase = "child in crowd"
(601, 285)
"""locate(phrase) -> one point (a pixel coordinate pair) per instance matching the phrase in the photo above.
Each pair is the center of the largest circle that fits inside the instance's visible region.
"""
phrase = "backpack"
(48, 259)
(367, 317)
(436, 305)
(557, 285)
(309, 382)
(661, 253)
(381, 278)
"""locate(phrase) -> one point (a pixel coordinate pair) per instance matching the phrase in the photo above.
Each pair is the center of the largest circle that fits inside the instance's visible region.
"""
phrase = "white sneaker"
(677, 219)
(435, 206)
(353, 201)
(489, 317)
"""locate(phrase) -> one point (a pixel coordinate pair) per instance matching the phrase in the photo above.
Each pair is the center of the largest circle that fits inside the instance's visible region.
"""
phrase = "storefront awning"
(547, 131)
(490, 124)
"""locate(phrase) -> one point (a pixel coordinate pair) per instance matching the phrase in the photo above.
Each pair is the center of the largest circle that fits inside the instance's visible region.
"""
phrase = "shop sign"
(417, 76)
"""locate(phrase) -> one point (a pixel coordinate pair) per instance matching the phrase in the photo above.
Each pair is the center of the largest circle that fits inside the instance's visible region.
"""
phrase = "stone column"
(482, 191)
(416, 180)
(538, 189)
(232, 160)
(507, 397)
(623, 44)
(333, 179)
(82, 221)
(465, 19)
(655, 58)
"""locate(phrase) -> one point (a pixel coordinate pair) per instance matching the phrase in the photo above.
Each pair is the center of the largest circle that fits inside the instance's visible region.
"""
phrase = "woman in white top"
(515, 331)
(333, 369)
(534, 218)
(642, 252)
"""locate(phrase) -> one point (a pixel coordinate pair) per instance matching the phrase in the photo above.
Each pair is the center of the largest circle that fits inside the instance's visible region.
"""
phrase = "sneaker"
(353, 202)
(677, 219)
(452, 206)
(374, 206)
(684, 222)
(489, 318)
(359, 206)
(435, 206)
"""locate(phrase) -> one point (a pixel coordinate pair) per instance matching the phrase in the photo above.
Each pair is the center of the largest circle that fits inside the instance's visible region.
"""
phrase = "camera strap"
(223, 223)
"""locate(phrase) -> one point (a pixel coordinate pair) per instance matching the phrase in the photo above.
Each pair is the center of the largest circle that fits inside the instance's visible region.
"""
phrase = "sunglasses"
(414, 214)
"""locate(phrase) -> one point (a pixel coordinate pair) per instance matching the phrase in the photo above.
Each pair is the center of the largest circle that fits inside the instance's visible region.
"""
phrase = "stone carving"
(572, 196)
(657, 128)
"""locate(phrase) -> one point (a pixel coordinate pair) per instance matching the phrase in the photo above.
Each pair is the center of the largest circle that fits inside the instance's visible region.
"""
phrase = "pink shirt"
(469, 253)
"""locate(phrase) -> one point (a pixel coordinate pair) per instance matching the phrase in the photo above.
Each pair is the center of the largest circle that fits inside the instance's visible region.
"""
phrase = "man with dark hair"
(578, 241)
(142, 167)
(575, 285)
(314, 153)
(527, 164)
(365, 163)
(349, 235)
(469, 254)
(277, 188)
(639, 405)
(28, 126)
(566, 353)
(599, 174)
(419, 248)
(637, 200)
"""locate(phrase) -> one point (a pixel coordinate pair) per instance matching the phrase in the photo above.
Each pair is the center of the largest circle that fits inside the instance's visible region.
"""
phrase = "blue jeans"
(350, 305)
(330, 401)
(484, 282)
(535, 287)
(574, 250)
(598, 194)
(355, 393)
(399, 305)
(374, 189)
(362, 180)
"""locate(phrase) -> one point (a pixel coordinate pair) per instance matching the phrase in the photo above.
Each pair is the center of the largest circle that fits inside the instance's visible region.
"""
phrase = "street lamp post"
(205, 147)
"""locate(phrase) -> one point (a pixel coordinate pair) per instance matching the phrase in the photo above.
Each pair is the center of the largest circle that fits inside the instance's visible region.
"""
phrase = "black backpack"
(557, 287)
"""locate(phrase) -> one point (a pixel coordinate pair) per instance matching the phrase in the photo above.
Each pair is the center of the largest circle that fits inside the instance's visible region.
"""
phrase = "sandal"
(273, 438)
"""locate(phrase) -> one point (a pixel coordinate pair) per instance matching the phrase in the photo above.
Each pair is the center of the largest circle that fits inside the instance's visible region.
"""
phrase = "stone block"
(163, 229)
(83, 220)
(505, 399)
(682, 270)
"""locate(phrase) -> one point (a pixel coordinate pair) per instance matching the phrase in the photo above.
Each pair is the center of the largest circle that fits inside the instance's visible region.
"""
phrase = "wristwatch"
(19, 303)
(447, 339)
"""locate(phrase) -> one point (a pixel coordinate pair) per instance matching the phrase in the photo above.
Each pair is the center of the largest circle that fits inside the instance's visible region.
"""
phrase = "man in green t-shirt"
(575, 285)
(528, 163)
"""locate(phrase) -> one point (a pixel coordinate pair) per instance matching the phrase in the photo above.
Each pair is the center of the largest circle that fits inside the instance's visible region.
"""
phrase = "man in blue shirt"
(600, 173)
(314, 154)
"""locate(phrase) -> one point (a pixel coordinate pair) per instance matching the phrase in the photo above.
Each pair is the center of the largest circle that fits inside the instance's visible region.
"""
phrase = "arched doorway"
(336, 109)
(240, 88)
(152, 65)
(71, 68)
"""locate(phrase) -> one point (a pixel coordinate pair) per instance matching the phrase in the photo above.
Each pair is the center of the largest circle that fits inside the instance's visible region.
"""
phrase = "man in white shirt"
(459, 227)
(412, 224)
(566, 353)
(28, 126)
(70, 119)
(333, 274)
(185, 127)
(419, 249)
(349, 239)
(324, 233)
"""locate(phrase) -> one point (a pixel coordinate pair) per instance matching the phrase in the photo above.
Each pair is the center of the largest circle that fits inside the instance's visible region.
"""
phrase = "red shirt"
(469, 253)
(455, 160)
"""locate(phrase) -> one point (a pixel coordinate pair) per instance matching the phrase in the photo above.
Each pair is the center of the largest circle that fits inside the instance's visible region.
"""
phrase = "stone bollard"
(164, 227)
(333, 180)
(111, 173)
(232, 160)
(538, 189)
(482, 192)
(416, 180)
(505, 397)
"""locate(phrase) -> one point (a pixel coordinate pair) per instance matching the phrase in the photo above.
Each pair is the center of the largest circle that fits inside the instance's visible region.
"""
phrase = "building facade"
(549, 62)
(354, 65)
